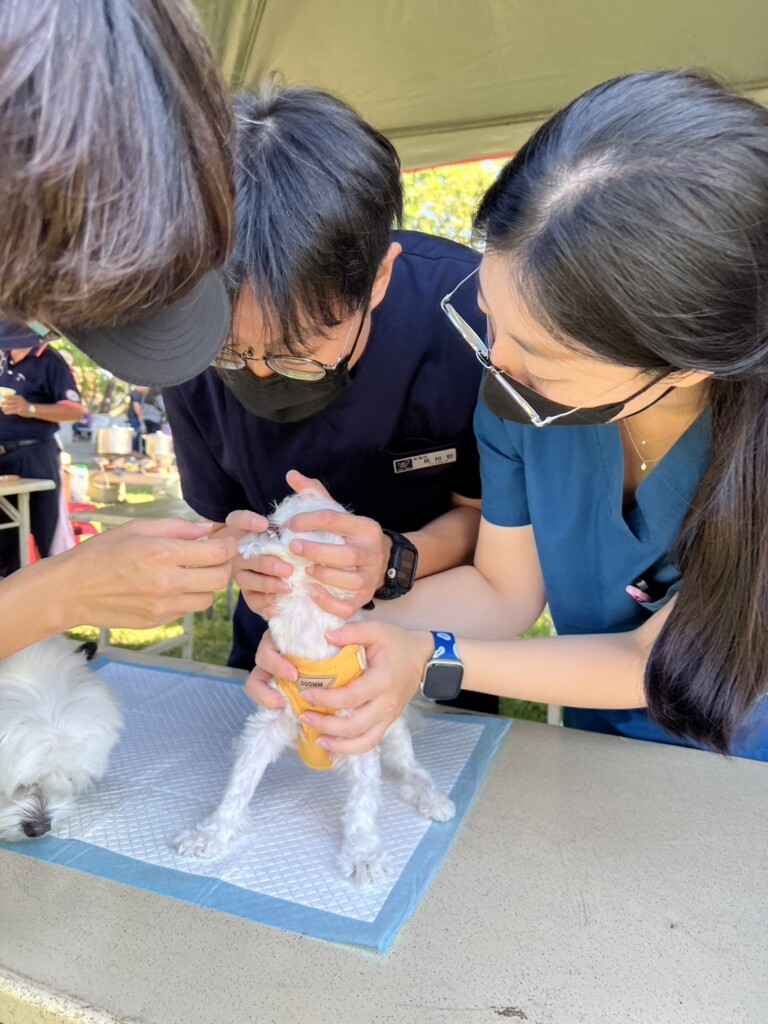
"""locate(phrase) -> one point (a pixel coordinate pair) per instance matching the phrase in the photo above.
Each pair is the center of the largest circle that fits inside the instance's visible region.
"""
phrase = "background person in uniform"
(154, 411)
(45, 396)
(116, 190)
(623, 430)
(340, 361)
(135, 414)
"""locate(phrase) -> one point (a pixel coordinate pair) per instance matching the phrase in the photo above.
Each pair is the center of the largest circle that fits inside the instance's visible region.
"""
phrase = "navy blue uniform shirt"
(414, 391)
(43, 378)
(567, 482)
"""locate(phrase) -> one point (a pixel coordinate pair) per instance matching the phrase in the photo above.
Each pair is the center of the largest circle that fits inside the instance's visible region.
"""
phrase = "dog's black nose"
(34, 829)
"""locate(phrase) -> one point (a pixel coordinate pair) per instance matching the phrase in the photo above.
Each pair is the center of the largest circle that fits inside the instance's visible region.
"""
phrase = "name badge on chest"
(426, 461)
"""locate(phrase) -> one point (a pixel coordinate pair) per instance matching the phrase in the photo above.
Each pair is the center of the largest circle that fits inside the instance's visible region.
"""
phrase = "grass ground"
(212, 638)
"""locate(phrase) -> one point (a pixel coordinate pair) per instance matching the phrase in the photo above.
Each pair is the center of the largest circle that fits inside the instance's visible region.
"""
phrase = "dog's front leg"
(266, 734)
(416, 785)
(362, 858)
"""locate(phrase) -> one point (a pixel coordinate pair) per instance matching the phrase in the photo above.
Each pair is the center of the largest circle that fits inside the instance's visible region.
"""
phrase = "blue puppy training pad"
(168, 772)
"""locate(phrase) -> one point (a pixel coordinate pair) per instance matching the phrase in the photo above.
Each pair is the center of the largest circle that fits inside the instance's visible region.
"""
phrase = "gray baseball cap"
(171, 345)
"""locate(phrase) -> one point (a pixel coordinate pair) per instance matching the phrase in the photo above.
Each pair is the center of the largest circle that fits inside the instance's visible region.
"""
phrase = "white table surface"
(18, 518)
(596, 880)
(24, 485)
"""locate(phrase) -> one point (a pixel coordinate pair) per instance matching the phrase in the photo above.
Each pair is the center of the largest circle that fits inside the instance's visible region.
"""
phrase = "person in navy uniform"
(340, 363)
(623, 430)
(41, 394)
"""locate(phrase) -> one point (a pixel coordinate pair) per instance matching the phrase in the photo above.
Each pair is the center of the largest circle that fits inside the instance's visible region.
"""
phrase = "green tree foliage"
(100, 391)
(441, 200)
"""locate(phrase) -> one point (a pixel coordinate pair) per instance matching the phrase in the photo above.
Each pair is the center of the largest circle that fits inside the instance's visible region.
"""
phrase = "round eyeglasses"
(294, 367)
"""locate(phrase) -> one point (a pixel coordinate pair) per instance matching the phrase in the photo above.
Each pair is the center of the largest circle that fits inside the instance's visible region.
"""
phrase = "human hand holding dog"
(261, 578)
(396, 660)
(358, 565)
(269, 663)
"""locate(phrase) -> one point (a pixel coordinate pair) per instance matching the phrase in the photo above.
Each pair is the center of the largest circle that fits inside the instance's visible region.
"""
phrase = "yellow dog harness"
(330, 674)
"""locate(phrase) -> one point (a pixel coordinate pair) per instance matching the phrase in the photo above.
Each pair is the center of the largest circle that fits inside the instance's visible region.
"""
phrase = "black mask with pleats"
(283, 399)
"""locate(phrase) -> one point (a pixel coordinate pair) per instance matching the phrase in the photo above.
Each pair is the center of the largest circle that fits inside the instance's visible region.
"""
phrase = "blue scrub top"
(567, 482)
(413, 394)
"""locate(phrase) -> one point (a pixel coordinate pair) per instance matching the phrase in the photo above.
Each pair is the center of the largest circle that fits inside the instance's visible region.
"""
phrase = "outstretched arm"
(140, 575)
(582, 671)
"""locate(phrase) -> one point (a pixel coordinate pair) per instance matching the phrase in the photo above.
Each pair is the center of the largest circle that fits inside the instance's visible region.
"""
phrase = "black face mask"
(283, 399)
(506, 408)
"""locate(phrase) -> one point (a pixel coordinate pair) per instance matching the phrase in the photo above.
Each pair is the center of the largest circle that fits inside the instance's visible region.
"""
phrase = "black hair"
(318, 191)
(636, 224)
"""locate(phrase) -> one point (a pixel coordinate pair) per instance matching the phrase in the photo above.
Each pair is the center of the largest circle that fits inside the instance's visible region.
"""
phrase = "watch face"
(406, 567)
(401, 573)
(442, 682)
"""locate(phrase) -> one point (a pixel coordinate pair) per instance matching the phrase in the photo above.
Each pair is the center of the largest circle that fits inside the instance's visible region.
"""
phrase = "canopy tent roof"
(450, 80)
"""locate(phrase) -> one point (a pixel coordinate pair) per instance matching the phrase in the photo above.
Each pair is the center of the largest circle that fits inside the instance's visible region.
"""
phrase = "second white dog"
(58, 724)
(298, 629)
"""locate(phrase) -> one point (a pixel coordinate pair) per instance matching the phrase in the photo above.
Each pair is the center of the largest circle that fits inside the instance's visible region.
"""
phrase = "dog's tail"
(88, 649)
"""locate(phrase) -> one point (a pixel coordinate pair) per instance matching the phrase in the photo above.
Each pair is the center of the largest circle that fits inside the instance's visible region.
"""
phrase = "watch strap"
(445, 646)
(395, 583)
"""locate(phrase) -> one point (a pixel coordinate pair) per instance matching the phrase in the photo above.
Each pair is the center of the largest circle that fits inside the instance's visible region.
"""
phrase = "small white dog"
(58, 723)
(298, 629)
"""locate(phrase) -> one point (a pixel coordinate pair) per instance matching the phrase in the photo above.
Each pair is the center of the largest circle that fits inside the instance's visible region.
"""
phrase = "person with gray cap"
(116, 190)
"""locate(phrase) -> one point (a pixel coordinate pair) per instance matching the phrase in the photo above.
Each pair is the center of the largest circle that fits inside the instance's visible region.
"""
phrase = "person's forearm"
(35, 602)
(59, 413)
(464, 602)
(447, 541)
(604, 671)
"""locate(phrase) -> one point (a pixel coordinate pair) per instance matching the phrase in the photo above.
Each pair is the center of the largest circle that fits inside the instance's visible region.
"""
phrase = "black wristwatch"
(401, 571)
(444, 671)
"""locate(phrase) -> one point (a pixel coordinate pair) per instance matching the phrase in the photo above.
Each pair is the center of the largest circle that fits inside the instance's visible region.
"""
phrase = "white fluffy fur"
(298, 627)
(58, 723)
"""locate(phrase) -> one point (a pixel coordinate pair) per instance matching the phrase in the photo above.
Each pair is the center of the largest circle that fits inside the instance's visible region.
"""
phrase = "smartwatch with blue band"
(444, 670)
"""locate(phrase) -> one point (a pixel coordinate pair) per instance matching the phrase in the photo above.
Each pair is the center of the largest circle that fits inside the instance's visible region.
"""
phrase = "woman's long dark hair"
(116, 176)
(636, 221)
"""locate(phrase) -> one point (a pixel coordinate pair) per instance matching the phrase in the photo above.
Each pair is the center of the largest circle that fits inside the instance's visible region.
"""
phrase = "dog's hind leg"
(415, 785)
(265, 736)
(362, 858)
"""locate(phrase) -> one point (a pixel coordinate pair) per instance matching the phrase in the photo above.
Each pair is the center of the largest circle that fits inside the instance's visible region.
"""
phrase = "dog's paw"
(203, 841)
(429, 803)
(438, 807)
(365, 869)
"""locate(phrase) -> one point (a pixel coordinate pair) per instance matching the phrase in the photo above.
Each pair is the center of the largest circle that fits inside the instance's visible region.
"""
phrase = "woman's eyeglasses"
(483, 353)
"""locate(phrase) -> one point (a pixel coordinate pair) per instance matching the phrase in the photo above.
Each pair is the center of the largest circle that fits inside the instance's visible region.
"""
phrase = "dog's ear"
(88, 649)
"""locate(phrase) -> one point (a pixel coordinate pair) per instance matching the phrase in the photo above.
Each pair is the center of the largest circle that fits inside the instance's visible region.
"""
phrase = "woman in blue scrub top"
(623, 428)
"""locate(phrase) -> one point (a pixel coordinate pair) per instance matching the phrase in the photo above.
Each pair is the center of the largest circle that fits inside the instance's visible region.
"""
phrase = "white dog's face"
(298, 624)
(277, 539)
(58, 723)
